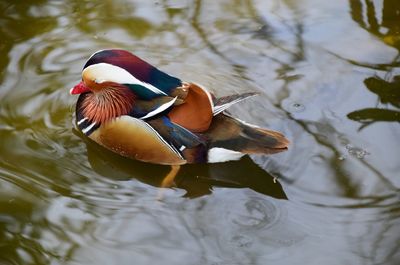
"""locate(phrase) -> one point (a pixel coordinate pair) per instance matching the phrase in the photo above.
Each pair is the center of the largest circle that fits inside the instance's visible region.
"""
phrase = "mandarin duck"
(134, 109)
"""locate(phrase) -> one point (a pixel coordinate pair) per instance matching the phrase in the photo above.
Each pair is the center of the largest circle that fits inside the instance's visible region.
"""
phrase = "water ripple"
(65, 202)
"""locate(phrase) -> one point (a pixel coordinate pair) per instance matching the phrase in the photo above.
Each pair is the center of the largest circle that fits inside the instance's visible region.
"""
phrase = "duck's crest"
(137, 67)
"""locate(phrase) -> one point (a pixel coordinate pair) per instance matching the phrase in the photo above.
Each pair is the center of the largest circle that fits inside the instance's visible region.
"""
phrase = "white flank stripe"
(88, 128)
(159, 109)
(218, 154)
(82, 120)
(182, 148)
(103, 72)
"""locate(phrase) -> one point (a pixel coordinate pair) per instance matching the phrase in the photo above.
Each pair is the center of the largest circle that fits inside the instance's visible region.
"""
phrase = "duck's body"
(137, 111)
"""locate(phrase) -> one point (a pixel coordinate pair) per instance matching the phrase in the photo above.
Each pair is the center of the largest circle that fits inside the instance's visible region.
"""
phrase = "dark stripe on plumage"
(141, 108)
(89, 129)
(78, 109)
(82, 122)
(142, 92)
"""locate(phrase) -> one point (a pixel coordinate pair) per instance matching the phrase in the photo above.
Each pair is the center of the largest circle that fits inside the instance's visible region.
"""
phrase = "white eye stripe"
(103, 72)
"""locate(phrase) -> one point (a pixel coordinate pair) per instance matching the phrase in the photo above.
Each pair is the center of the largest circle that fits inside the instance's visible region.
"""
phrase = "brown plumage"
(196, 113)
(230, 133)
(135, 139)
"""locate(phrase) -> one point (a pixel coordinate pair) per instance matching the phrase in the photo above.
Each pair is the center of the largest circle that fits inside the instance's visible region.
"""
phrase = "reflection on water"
(388, 93)
(385, 25)
(328, 77)
(380, 18)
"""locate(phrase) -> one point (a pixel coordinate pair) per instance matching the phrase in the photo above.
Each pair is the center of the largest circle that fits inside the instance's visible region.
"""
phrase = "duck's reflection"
(196, 179)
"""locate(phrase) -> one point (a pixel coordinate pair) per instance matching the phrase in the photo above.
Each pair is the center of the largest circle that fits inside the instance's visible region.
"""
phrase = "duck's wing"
(200, 106)
(222, 103)
(145, 109)
(193, 147)
(196, 113)
(136, 139)
(175, 134)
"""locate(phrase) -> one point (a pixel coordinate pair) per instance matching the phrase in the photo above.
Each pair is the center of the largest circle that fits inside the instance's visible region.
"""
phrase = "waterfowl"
(134, 109)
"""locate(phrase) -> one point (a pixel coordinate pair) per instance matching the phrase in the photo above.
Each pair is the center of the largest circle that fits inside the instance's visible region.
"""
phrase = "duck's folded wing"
(175, 134)
(200, 106)
(192, 146)
(221, 104)
(197, 112)
(136, 139)
(144, 109)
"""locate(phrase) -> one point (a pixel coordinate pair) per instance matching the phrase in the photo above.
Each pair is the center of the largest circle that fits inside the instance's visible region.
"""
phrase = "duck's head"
(106, 85)
(113, 79)
(106, 69)
(115, 68)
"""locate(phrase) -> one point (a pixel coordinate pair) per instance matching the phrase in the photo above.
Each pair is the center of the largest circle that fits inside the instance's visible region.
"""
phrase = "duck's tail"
(231, 138)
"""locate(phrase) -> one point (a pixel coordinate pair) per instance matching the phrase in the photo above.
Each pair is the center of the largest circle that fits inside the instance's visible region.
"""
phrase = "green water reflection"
(328, 77)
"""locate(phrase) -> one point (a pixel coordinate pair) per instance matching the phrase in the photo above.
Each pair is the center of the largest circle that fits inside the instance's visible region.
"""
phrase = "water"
(328, 77)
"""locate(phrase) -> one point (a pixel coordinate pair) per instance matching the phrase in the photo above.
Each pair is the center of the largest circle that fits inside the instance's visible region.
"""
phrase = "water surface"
(328, 77)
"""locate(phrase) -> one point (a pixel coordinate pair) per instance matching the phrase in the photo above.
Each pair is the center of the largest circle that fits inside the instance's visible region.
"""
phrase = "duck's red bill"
(79, 89)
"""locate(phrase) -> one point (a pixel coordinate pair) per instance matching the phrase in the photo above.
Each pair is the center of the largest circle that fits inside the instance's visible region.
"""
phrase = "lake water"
(328, 74)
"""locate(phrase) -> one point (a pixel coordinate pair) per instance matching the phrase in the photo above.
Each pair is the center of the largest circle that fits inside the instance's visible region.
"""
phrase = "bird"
(132, 108)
